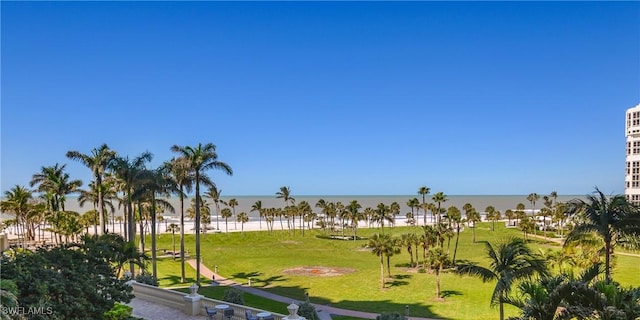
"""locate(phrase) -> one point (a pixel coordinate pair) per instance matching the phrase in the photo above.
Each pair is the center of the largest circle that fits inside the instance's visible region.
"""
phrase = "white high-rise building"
(632, 173)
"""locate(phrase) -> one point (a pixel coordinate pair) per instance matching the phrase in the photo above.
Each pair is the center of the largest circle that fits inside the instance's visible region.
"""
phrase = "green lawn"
(264, 256)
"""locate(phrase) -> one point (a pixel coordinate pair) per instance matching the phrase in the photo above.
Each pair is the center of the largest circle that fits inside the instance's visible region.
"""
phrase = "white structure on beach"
(632, 161)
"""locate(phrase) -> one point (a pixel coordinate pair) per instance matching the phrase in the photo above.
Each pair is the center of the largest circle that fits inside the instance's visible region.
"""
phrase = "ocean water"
(480, 202)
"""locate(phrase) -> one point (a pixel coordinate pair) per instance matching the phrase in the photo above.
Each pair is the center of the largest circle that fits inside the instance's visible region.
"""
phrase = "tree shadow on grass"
(171, 281)
(397, 283)
(448, 293)
(402, 276)
(246, 275)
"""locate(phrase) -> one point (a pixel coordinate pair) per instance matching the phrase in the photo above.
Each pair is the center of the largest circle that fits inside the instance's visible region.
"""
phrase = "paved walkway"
(324, 311)
(154, 311)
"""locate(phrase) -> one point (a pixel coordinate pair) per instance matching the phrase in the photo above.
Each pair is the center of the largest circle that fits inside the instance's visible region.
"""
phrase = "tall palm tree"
(510, 261)
(173, 228)
(439, 198)
(243, 218)
(201, 158)
(424, 191)
(55, 182)
(233, 203)
(97, 161)
(413, 204)
(17, 202)
(382, 213)
(395, 210)
(155, 182)
(214, 194)
(129, 172)
(182, 177)
(285, 195)
(437, 259)
(226, 214)
(378, 244)
(532, 198)
(473, 216)
(354, 215)
(610, 218)
(490, 212)
(455, 216)
(257, 206)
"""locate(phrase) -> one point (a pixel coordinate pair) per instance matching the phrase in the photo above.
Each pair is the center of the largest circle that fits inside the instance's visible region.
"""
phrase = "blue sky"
(329, 97)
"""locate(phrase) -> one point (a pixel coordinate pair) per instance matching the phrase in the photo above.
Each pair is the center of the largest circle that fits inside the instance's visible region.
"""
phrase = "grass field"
(264, 256)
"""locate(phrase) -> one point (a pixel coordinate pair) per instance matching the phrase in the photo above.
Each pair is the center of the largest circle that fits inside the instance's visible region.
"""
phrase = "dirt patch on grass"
(319, 271)
(290, 242)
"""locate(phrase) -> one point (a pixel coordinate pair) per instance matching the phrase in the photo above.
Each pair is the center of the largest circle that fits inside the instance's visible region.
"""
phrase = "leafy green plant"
(233, 295)
(119, 312)
(308, 311)
(146, 278)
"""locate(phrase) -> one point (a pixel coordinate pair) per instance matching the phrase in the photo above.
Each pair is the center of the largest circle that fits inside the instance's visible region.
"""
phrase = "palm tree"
(233, 203)
(129, 172)
(54, 182)
(413, 204)
(97, 162)
(182, 177)
(437, 259)
(610, 218)
(519, 212)
(355, 215)
(532, 198)
(257, 206)
(226, 214)
(510, 215)
(173, 228)
(17, 202)
(378, 244)
(285, 195)
(456, 217)
(382, 213)
(424, 191)
(214, 194)
(439, 198)
(490, 212)
(408, 239)
(510, 261)
(155, 182)
(243, 218)
(395, 210)
(201, 158)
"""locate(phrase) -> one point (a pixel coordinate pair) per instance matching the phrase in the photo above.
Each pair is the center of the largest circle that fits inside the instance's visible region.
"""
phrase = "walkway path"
(324, 311)
(155, 311)
(561, 241)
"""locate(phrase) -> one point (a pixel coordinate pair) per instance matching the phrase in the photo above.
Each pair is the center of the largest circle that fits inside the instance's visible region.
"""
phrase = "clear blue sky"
(329, 97)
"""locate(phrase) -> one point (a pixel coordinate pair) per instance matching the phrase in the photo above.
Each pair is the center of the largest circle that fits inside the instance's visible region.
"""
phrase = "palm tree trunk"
(182, 277)
(100, 203)
(197, 227)
(153, 235)
(381, 272)
(131, 228)
(438, 282)
(607, 259)
(455, 249)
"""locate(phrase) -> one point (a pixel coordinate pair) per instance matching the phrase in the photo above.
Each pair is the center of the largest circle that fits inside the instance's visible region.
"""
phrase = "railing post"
(192, 301)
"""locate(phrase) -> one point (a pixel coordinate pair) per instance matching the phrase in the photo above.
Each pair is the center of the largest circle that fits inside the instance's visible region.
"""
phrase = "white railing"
(175, 299)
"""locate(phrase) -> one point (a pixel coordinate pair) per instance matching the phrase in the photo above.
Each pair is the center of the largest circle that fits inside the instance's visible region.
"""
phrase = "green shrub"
(146, 278)
(390, 316)
(233, 295)
(118, 312)
(307, 310)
